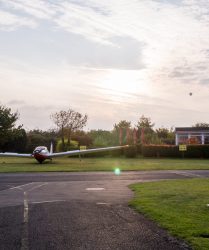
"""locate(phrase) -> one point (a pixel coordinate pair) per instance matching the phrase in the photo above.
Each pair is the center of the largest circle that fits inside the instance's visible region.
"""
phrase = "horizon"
(111, 60)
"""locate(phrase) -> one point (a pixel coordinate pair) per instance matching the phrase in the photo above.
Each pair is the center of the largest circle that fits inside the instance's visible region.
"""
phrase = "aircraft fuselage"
(41, 153)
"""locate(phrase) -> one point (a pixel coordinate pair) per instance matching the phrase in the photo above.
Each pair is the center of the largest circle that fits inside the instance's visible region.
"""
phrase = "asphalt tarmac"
(80, 211)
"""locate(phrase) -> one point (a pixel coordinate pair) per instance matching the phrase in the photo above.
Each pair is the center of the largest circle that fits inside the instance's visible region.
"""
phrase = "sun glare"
(117, 171)
(124, 81)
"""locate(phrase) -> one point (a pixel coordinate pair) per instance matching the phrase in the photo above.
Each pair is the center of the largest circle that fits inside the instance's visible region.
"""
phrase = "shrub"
(130, 152)
(160, 151)
(117, 152)
(197, 151)
(96, 154)
(73, 145)
(114, 153)
(193, 151)
(139, 148)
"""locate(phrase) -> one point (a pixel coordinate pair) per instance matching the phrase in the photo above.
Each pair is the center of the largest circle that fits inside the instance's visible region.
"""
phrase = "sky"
(113, 60)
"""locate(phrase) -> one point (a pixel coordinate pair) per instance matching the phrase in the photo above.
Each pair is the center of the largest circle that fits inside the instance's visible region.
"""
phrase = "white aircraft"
(41, 153)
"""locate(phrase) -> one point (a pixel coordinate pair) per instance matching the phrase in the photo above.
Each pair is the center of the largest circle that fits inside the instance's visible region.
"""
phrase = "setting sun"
(124, 82)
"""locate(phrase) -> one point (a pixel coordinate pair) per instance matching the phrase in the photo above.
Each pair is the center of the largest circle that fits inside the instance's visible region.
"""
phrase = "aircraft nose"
(36, 151)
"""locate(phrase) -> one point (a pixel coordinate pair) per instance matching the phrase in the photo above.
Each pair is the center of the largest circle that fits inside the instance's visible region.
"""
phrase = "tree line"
(69, 133)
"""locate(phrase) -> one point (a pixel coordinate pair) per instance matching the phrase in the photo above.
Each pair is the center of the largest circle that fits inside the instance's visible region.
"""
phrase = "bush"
(117, 152)
(73, 145)
(114, 153)
(197, 151)
(96, 154)
(130, 152)
(193, 151)
(139, 148)
(160, 151)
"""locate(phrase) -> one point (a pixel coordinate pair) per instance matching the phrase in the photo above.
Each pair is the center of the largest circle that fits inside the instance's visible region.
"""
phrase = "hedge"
(193, 151)
(130, 152)
(114, 153)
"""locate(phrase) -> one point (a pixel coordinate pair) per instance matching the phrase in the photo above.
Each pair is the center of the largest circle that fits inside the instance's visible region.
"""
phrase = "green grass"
(99, 164)
(179, 206)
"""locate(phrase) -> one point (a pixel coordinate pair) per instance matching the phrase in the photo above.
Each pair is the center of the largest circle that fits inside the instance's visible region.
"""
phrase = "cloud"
(37, 9)
(16, 102)
(204, 81)
(198, 8)
(9, 22)
(87, 22)
(181, 73)
(122, 58)
(32, 118)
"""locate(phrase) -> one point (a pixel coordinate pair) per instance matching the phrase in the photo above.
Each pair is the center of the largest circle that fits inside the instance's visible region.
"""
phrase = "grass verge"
(179, 206)
(8, 165)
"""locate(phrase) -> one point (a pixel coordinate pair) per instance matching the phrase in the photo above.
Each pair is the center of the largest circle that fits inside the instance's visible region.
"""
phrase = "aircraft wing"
(85, 151)
(16, 155)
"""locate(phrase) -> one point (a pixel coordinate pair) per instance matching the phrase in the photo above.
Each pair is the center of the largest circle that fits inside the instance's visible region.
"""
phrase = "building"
(192, 135)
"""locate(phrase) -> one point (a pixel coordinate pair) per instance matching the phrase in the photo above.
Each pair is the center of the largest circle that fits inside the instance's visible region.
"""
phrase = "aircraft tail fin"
(51, 148)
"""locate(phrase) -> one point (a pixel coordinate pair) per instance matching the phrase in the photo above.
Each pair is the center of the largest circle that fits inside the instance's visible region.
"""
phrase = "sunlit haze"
(113, 60)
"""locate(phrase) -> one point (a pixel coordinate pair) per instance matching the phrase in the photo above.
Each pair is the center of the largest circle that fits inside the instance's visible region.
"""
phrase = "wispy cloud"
(136, 55)
(16, 102)
(9, 21)
(37, 9)
(171, 33)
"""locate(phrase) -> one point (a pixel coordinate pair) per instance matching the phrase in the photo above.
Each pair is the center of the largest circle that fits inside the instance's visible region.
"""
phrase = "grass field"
(99, 164)
(179, 206)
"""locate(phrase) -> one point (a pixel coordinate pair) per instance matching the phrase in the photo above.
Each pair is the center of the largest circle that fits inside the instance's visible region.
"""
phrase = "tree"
(101, 138)
(122, 131)
(68, 122)
(167, 136)
(17, 141)
(7, 123)
(162, 133)
(145, 129)
(145, 122)
(61, 120)
(122, 124)
(201, 125)
(82, 138)
(76, 121)
(38, 137)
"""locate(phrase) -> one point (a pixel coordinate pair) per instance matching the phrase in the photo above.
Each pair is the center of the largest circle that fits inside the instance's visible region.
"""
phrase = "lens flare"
(117, 171)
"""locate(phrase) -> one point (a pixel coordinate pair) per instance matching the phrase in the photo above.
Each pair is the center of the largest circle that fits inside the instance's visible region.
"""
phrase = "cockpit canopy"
(41, 149)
